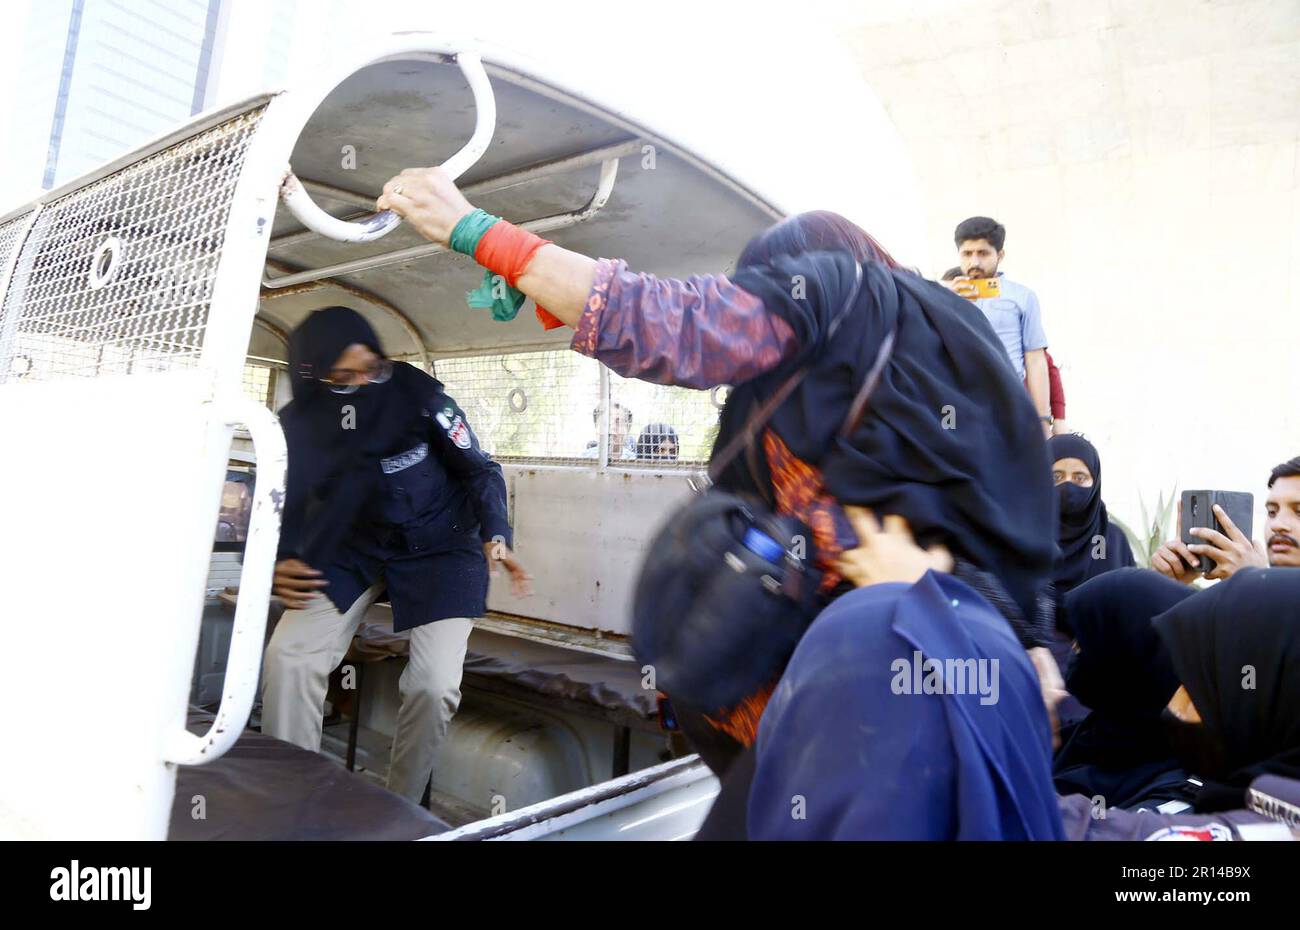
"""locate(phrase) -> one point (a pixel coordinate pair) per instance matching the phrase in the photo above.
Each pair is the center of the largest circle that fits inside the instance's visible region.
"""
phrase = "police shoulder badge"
(459, 433)
(457, 429)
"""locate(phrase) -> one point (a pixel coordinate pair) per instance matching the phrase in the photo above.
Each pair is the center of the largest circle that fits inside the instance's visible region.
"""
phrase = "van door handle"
(377, 225)
(248, 631)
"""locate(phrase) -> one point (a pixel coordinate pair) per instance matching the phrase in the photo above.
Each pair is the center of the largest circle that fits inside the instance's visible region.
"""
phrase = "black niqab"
(1120, 664)
(1083, 520)
(1236, 648)
(949, 440)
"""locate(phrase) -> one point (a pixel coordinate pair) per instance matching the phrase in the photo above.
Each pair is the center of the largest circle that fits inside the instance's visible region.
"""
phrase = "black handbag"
(729, 587)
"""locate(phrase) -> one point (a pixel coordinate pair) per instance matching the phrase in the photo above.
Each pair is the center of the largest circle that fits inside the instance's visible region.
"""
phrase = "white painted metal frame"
(8, 324)
(665, 802)
(604, 187)
(486, 186)
(248, 630)
(380, 224)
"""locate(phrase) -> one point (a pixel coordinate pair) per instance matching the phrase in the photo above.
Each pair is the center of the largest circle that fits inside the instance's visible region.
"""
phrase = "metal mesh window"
(668, 425)
(117, 277)
(9, 234)
(545, 407)
(257, 383)
(532, 406)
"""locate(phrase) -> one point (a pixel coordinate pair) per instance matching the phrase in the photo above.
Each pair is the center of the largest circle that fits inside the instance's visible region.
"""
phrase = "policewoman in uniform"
(387, 489)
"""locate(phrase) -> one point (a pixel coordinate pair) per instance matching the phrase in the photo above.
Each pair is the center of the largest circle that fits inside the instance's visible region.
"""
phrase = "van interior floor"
(373, 749)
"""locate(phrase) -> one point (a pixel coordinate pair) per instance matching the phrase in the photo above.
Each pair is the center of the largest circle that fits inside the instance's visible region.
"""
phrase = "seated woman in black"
(1232, 718)
(1236, 715)
(1121, 670)
(1090, 543)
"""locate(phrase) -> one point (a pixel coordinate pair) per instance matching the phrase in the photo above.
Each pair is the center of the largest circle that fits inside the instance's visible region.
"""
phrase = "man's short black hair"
(981, 227)
(1288, 469)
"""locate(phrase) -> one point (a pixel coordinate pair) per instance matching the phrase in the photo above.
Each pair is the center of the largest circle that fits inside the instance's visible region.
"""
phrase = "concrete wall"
(1143, 156)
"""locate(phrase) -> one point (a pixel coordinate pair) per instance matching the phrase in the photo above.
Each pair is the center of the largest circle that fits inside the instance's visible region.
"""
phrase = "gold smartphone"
(986, 287)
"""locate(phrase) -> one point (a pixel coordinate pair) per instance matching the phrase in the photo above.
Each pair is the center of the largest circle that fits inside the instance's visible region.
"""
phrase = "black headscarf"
(1083, 519)
(949, 440)
(1121, 670)
(336, 440)
(1120, 665)
(1250, 620)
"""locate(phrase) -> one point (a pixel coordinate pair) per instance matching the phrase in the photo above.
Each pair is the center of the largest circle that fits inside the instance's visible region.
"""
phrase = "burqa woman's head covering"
(1121, 670)
(864, 740)
(318, 342)
(1236, 649)
(1120, 665)
(335, 440)
(1082, 512)
(949, 439)
(814, 231)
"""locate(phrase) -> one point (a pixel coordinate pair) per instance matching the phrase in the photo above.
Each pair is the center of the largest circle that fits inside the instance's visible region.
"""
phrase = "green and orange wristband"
(505, 251)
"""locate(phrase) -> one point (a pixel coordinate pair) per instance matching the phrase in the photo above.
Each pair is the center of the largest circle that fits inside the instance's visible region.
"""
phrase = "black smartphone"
(1197, 509)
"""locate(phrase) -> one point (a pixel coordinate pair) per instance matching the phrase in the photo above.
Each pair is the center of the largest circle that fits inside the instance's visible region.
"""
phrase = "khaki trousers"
(308, 644)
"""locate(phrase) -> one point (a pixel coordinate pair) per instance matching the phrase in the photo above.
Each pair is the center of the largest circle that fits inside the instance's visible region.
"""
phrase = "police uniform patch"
(393, 464)
(459, 433)
(1207, 833)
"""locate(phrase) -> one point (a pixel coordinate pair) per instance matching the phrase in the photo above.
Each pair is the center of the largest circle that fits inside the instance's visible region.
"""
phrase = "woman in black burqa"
(1121, 670)
(1236, 649)
(1090, 543)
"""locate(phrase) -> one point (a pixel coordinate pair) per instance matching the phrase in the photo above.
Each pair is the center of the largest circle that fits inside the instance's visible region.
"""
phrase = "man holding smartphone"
(1011, 307)
(1231, 550)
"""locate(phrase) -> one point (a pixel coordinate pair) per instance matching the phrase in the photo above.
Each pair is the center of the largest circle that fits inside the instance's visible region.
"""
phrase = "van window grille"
(527, 405)
(116, 277)
(9, 234)
(258, 383)
(668, 421)
(543, 407)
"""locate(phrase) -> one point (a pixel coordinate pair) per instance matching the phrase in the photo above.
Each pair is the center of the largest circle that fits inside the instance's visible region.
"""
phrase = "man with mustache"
(1281, 548)
(1013, 313)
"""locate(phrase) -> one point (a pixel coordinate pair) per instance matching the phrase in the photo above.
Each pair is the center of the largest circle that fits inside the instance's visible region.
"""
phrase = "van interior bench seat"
(496, 661)
(600, 685)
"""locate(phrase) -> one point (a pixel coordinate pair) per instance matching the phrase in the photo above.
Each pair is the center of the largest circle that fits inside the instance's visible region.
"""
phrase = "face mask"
(1072, 498)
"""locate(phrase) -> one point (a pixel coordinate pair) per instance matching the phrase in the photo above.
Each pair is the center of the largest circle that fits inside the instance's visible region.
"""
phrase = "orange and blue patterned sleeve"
(697, 333)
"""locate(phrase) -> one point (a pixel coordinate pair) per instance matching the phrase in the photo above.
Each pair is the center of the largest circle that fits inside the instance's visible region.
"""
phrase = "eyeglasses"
(348, 380)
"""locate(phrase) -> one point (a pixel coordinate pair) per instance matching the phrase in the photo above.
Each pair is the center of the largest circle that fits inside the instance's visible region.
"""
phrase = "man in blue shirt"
(1014, 312)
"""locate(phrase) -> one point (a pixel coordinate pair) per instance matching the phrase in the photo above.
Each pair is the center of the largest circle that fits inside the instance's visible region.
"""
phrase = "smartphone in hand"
(1196, 508)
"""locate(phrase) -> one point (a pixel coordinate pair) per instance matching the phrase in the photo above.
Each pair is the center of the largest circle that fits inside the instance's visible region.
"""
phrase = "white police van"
(142, 356)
